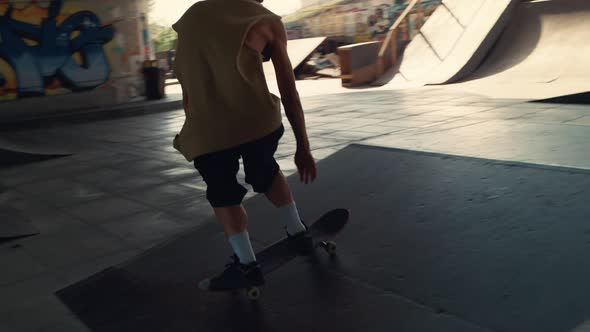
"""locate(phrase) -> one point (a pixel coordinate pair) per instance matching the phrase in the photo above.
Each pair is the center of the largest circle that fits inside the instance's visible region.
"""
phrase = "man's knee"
(261, 178)
(225, 194)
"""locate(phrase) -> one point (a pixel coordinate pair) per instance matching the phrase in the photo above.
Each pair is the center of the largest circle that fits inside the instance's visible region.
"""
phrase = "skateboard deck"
(323, 231)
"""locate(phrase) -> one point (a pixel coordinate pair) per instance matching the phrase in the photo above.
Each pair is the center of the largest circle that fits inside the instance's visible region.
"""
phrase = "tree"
(164, 38)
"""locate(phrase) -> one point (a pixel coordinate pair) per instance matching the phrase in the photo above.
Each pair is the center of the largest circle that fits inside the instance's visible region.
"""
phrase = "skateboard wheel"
(331, 248)
(253, 293)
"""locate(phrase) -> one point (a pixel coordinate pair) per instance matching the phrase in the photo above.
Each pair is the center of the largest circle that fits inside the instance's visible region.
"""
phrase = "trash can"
(155, 81)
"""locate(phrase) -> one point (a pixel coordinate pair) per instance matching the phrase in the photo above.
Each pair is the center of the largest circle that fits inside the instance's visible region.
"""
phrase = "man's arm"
(286, 83)
(290, 97)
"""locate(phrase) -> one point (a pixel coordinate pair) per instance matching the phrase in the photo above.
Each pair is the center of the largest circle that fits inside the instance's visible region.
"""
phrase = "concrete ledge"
(359, 63)
(172, 102)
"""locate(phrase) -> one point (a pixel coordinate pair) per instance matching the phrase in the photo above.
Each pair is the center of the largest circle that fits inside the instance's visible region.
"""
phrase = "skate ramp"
(14, 225)
(543, 53)
(16, 151)
(299, 50)
(454, 40)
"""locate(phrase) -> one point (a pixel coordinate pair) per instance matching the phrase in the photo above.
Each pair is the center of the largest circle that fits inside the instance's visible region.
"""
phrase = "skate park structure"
(509, 49)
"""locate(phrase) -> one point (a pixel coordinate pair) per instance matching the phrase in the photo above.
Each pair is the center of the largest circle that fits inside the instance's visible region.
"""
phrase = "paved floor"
(127, 189)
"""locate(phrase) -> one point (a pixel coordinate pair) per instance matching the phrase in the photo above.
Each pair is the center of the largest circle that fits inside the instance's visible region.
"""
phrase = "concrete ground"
(127, 190)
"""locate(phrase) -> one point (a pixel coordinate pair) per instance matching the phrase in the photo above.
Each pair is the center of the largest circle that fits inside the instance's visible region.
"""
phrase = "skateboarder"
(230, 113)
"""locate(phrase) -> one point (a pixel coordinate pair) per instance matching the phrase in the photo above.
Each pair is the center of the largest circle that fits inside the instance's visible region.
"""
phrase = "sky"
(169, 11)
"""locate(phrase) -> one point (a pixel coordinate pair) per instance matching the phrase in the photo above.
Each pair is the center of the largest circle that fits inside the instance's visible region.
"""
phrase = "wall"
(66, 47)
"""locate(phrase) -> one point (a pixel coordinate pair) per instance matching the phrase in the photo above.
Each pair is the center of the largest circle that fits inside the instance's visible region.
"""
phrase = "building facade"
(70, 54)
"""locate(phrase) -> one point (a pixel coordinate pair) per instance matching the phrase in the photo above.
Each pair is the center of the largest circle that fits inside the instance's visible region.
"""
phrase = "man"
(230, 113)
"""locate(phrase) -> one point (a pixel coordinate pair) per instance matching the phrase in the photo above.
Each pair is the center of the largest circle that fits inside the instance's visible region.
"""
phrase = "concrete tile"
(459, 110)
(286, 150)
(532, 106)
(381, 130)
(583, 121)
(325, 142)
(72, 246)
(343, 125)
(37, 317)
(418, 111)
(177, 173)
(450, 125)
(143, 165)
(161, 135)
(170, 157)
(62, 192)
(147, 228)
(163, 195)
(48, 220)
(86, 269)
(65, 323)
(192, 213)
(316, 132)
(114, 154)
(21, 296)
(554, 116)
(349, 135)
(198, 185)
(17, 264)
(118, 138)
(153, 143)
(348, 115)
(430, 117)
(287, 165)
(503, 113)
(99, 175)
(387, 116)
(408, 122)
(39, 172)
(320, 154)
(364, 121)
(105, 209)
(127, 183)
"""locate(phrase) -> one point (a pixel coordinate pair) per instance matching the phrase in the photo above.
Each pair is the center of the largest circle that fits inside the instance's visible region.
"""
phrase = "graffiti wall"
(59, 47)
(356, 21)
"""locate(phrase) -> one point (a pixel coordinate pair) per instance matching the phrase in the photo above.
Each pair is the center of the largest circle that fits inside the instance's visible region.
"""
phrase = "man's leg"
(233, 219)
(225, 195)
(279, 193)
(281, 197)
(265, 176)
(235, 224)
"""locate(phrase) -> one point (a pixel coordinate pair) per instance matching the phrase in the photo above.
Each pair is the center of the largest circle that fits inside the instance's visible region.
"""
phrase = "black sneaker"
(302, 241)
(235, 276)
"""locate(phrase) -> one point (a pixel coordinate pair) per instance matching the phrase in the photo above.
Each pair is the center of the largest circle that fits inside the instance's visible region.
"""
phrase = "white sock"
(290, 217)
(242, 247)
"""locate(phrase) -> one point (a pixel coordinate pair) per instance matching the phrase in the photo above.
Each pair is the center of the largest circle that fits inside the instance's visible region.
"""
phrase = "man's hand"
(290, 97)
(305, 165)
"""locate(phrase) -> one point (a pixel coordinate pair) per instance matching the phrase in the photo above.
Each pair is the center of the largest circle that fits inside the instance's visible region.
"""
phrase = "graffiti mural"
(47, 51)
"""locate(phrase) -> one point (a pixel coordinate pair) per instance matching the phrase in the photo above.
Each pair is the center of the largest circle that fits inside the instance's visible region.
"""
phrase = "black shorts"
(219, 169)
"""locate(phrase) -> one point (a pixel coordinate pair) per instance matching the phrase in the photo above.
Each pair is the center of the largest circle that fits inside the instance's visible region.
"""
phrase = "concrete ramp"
(14, 225)
(299, 50)
(543, 53)
(19, 151)
(454, 40)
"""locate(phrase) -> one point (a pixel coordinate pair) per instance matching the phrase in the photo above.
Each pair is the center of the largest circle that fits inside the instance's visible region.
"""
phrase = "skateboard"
(323, 231)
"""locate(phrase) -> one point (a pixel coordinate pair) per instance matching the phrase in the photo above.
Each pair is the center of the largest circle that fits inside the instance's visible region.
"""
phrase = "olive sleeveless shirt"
(229, 101)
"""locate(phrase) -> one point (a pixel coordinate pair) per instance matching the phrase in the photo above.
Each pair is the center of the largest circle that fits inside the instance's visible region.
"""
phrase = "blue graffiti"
(52, 57)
